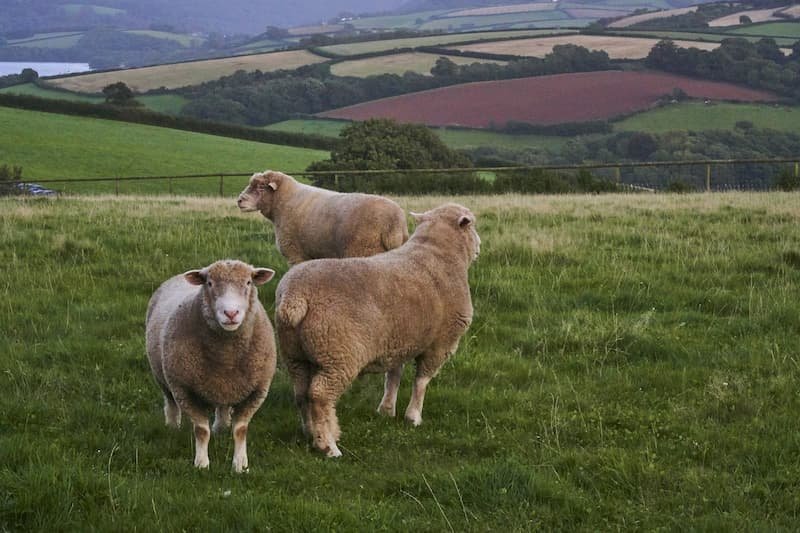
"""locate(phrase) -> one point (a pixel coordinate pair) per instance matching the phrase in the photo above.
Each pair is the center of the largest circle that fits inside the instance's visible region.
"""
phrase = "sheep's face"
(228, 289)
(259, 195)
(457, 223)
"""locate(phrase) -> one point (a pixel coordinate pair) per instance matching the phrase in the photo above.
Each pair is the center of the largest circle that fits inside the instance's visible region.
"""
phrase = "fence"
(708, 175)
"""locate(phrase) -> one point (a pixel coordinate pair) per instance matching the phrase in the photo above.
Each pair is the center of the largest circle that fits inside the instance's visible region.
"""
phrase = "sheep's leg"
(300, 373)
(391, 384)
(222, 418)
(172, 413)
(325, 389)
(196, 410)
(242, 415)
(428, 366)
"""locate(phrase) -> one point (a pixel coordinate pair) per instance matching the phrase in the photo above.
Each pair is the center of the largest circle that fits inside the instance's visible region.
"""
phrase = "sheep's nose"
(231, 314)
(239, 201)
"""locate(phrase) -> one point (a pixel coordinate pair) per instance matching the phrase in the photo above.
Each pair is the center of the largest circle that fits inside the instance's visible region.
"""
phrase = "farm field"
(636, 19)
(542, 100)
(499, 10)
(454, 138)
(180, 38)
(756, 15)
(163, 103)
(696, 116)
(398, 64)
(772, 29)
(699, 36)
(531, 19)
(182, 74)
(616, 47)
(59, 40)
(632, 360)
(89, 148)
(348, 49)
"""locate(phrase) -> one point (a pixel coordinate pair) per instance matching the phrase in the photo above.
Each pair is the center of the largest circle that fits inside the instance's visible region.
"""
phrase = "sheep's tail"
(395, 236)
(292, 310)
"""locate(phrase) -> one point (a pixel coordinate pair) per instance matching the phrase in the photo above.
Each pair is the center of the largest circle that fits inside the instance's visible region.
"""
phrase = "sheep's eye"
(209, 283)
(249, 283)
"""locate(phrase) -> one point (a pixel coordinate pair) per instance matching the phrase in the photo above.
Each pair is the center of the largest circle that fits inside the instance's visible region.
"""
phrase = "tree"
(744, 19)
(444, 67)
(275, 33)
(119, 94)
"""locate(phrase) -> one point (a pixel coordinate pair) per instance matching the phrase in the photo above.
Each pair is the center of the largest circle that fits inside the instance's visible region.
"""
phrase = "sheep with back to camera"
(337, 318)
(211, 346)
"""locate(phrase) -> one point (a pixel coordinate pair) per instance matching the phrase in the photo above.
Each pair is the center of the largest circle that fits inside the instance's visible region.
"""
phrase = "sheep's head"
(259, 195)
(228, 291)
(451, 224)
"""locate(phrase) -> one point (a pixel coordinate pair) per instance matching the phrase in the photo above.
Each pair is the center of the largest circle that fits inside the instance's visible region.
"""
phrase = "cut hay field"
(542, 100)
(756, 15)
(349, 49)
(616, 47)
(636, 19)
(54, 146)
(633, 363)
(183, 74)
(418, 62)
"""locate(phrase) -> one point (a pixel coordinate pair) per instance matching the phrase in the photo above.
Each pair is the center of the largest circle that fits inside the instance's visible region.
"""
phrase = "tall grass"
(633, 364)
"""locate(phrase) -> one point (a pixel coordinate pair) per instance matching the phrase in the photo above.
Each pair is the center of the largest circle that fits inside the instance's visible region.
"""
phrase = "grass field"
(163, 103)
(56, 40)
(529, 19)
(58, 146)
(633, 364)
(454, 138)
(189, 73)
(697, 116)
(772, 29)
(436, 40)
(74, 9)
(398, 64)
(180, 38)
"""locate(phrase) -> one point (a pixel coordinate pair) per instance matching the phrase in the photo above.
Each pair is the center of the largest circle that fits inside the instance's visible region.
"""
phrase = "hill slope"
(53, 146)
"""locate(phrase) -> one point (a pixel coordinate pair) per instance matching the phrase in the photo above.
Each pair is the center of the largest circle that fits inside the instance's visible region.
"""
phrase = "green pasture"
(487, 21)
(51, 146)
(163, 103)
(410, 20)
(770, 29)
(180, 38)
(698, 36)
(633, 364)
(55, 40)
(697, 116)
(435, 40)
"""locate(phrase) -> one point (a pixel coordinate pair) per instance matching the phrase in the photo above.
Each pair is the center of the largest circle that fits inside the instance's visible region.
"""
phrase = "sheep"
(210, 345)
(313, 223)
(338, 318)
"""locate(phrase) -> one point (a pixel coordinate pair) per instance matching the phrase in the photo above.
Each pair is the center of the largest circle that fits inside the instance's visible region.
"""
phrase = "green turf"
(54, 146)
(632, 365)
(697, 116)
(771, 29)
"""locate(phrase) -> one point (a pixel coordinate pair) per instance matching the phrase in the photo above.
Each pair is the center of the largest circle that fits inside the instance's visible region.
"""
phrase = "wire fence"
(654, 176)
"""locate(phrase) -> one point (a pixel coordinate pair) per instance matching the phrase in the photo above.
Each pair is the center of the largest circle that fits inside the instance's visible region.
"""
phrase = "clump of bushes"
(787, 181)
(9, 175)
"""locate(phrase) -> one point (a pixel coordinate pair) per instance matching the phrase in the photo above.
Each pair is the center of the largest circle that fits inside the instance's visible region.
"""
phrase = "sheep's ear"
(418, 217)
(262, 275)
(195, 277)
(464, 221)
(272, 185)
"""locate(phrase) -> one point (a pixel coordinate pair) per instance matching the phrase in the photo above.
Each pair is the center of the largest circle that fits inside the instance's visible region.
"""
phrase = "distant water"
(44, 69)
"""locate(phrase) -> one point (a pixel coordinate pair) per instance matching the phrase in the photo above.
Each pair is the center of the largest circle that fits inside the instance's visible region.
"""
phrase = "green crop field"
(163, 103)
(633, 364)
(455, 138)
(771, 29)
(55, 146)
(697, 116)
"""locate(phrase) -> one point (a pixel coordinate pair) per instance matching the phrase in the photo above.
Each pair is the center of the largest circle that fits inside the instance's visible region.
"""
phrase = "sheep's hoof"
(333, 452)
(414, 418)
(240, 467)
(201, 463)
(387, 410)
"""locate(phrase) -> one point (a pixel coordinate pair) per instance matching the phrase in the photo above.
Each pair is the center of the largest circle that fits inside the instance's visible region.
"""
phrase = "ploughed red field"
(553, 99)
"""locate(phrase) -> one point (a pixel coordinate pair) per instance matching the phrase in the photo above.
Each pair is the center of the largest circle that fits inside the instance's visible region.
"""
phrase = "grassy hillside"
(163, 103)
(697, 116)
(633, 361)
(59, 146)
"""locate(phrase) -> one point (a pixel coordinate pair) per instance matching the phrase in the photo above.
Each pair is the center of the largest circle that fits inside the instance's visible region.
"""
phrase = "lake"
(44, 69)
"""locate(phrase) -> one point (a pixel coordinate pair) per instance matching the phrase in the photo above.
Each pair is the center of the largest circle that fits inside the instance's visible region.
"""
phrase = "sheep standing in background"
(337, 318)
(211, 345)
(312, 223)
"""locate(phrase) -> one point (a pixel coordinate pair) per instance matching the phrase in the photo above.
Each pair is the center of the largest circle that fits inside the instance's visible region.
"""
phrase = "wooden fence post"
(170, 186)
(708, 178)
(221, 192)
(116, 186)
(796, 169)
(617, 175)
